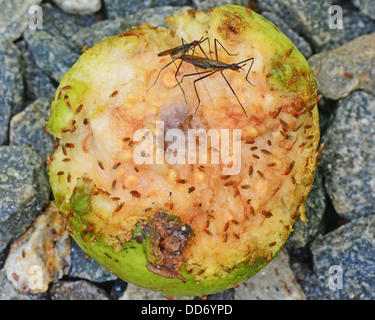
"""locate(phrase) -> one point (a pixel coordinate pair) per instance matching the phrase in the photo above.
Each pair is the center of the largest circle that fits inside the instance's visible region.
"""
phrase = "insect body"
(178, 53)
(212, 66)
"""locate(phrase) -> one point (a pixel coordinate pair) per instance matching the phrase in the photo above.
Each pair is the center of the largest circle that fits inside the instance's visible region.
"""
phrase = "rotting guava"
(185, 229)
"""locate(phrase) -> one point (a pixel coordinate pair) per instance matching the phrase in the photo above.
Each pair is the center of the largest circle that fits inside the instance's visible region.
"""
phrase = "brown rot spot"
(108, 255)
(233, 27)
(168, 239)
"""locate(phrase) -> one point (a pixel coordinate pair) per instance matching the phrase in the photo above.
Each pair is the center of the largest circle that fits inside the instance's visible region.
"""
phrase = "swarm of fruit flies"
(186, 53)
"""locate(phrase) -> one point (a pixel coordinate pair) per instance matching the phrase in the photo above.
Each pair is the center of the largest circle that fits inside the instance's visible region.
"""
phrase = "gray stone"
(118, 289)
(128, 9)
(300, 263)
(24, 190)
(301, 44)
(27, 128)
(324, 120)
(41, 255)
(89, 36)
(134, 292)
(14, 17)
(37, 83)
(355, 25)
(347, 68)
(308, 18)
(59, 23)
(367, 7)
(176, 3)
(305, 232)
(346, 256)
(11, 85)
(156, 16)
(276, 281)
(223, 295)
(210, 4)
(9, 292)
(348, 157)
(79, 6)
(125, 8)
(87, 268)
(52, 53)
(76, 290)
(51, 47)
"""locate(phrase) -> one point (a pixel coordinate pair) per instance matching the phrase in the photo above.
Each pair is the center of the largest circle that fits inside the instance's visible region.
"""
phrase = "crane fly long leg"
(226, 80)
(216, 54)
(206, 74)
(183, 51)
(200, 47)
(160, 72)
(209, 73)
(251, 65)
(175, 75)
(196, 74)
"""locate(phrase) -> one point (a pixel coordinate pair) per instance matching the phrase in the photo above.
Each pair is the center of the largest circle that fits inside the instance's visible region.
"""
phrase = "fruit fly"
(178, 53)
(212, 66)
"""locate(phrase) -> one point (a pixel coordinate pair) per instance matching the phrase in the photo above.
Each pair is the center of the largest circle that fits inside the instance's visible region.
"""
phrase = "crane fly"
(178, 53)
(212, 66)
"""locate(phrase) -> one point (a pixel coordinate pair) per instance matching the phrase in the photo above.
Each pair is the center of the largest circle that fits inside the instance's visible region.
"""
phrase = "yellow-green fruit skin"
(129, 264)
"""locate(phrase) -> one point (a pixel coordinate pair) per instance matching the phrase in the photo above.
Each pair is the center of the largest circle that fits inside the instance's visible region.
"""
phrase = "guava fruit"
(187, 227)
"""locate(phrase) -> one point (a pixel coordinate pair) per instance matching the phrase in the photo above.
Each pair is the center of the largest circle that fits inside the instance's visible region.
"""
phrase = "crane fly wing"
(166, 52)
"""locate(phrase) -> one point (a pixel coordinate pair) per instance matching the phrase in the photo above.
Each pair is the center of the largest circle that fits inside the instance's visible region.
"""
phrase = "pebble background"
(330, 257)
